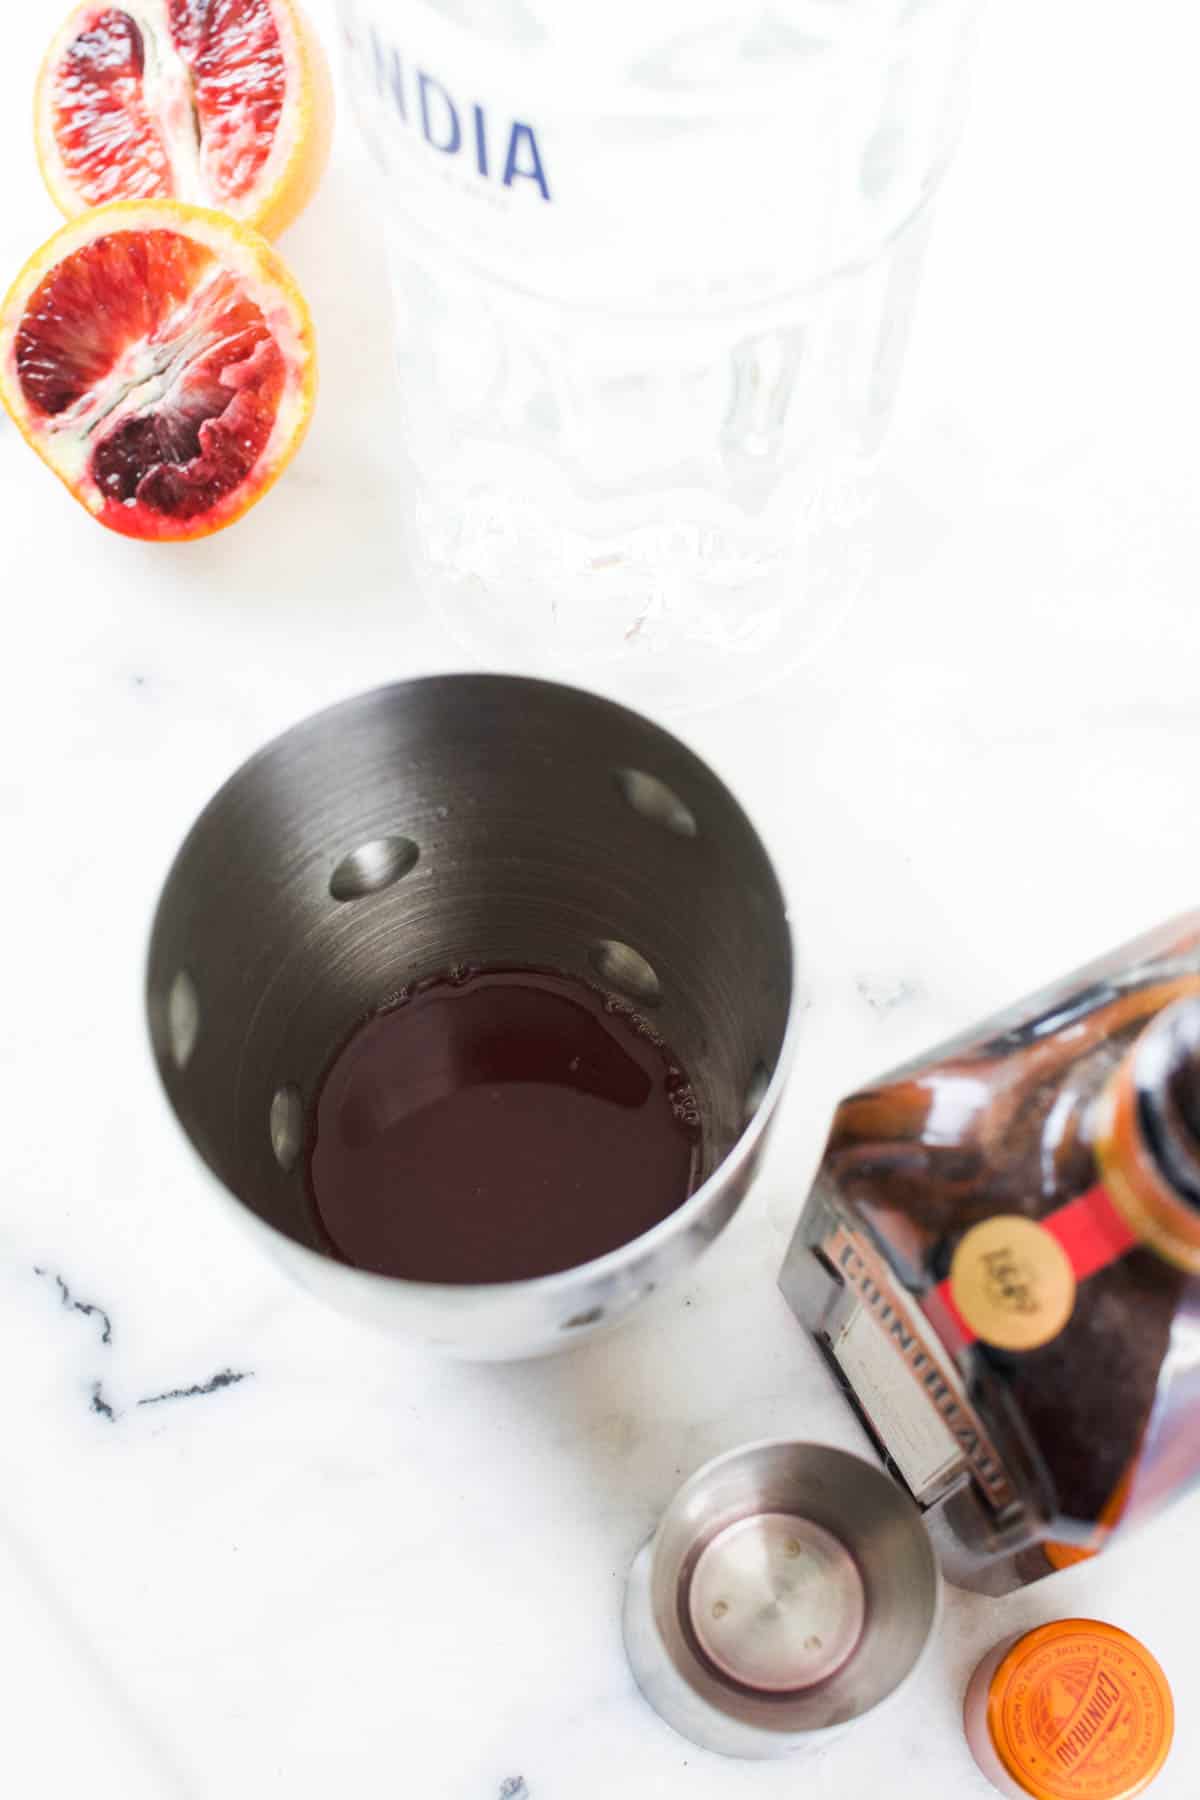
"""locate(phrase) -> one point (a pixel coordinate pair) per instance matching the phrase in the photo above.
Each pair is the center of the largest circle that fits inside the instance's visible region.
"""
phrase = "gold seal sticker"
(1012, 1282)
(1079, 1710)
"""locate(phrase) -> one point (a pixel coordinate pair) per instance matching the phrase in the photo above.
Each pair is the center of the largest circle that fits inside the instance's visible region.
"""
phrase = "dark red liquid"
(497, 1126)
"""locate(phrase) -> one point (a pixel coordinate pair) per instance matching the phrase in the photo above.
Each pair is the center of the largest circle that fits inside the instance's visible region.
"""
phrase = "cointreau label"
(919, 1390)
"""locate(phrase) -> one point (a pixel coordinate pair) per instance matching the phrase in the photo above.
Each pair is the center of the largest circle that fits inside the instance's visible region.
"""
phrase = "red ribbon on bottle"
(1092, 1231)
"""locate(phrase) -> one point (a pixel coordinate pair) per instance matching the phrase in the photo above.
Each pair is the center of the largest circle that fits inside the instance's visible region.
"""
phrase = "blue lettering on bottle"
(426, 86)
(523, 135)
(389, 73)
(441, 122)
(481, 155)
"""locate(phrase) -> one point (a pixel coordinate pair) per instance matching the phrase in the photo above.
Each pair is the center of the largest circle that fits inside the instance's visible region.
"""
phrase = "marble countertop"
(249, 1550)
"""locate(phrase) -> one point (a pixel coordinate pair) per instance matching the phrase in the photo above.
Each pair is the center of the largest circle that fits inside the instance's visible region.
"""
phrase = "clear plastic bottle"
(1001, 1259)
(654, 265)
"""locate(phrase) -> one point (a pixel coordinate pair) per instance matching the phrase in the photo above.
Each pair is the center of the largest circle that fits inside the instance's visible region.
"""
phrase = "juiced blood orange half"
(223, 103)
(160, 359)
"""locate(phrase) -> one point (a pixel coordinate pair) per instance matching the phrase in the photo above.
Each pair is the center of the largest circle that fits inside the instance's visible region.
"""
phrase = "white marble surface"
(358, 1570)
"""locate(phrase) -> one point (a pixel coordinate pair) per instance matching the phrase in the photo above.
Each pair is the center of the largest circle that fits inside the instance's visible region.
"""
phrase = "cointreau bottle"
(1000, 1258)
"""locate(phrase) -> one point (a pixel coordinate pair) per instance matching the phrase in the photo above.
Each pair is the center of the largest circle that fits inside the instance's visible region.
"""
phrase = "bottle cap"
(1079, 1710)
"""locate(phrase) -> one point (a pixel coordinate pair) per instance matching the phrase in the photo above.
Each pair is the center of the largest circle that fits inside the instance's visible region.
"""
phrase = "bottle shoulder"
(1006, 1123)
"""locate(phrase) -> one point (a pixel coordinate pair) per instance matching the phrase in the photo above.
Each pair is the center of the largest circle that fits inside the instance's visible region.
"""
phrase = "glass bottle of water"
(654, 263)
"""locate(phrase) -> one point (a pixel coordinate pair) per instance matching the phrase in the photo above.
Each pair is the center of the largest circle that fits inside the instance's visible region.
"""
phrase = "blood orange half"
(223, 103)
(160, 359)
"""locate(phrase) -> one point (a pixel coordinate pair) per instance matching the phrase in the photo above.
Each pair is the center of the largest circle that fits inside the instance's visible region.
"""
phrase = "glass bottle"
(654, 268)
(1000, 1258)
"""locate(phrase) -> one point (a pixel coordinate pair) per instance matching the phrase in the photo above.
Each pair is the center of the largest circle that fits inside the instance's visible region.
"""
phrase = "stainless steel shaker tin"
(466, 819)
(789, 1589)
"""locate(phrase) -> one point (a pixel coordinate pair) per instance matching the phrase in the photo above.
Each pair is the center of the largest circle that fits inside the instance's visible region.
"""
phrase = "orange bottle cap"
(1079, 1710)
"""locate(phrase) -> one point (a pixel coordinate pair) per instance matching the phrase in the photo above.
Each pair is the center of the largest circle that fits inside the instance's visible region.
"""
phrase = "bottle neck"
(1013, 1280)
(1148, 1142)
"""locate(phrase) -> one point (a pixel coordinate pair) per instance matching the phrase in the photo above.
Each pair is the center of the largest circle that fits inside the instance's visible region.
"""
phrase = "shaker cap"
(1079, 1710)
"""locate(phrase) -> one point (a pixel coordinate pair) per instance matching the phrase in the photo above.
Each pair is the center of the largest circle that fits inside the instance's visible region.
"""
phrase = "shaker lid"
(1078, 1708)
